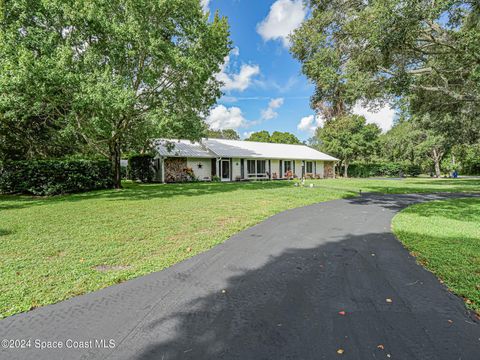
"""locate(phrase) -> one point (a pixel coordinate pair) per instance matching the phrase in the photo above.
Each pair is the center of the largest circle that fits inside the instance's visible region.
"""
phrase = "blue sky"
(264, 88)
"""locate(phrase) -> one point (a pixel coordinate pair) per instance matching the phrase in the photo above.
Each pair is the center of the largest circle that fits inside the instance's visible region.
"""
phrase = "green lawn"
(59, 247)
(445, 238)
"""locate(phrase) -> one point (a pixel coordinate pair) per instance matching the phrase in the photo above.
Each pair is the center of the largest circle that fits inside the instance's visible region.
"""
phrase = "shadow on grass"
(463, 209)
(4, 232)
(288, 309)
(132, 192)
(398, 202)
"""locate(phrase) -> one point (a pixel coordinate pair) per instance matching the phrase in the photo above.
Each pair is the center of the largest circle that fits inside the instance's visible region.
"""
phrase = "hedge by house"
(391, 169)
(140, 168)
(52, 177)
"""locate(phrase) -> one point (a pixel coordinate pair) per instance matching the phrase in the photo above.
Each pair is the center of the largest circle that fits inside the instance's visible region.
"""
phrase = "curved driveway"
(273, 291)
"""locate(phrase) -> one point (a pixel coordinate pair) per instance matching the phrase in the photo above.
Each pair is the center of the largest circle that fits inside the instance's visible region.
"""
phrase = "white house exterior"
(235, 160)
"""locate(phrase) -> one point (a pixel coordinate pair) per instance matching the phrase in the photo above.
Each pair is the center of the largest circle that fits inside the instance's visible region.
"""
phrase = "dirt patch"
(105, 268)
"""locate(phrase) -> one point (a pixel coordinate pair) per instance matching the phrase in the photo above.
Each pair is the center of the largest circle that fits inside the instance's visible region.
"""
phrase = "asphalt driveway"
(273, 291)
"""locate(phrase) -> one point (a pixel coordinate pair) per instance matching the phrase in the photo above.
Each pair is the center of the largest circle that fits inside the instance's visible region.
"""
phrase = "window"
(309, 167)
(256, 168)
(261, 167)
(287, 166)
(251, 167)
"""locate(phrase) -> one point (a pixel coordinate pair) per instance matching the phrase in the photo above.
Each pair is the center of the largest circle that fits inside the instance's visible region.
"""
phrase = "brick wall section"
(328, 170)
(175, 169)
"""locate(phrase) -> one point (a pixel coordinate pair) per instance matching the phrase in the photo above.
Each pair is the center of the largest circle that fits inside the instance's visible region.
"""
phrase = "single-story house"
(235, 160)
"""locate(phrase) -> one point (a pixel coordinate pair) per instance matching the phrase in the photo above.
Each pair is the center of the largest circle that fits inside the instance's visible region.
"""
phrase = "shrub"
(140, 168)
(216, 178)
(391, 169)
(52, 177)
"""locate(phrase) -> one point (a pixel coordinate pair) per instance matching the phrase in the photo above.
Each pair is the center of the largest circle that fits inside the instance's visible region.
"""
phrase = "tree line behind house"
(421, 57)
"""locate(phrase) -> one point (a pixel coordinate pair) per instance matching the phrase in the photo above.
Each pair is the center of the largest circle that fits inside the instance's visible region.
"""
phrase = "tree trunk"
(345, 169)
(115, 156)
(436, 159)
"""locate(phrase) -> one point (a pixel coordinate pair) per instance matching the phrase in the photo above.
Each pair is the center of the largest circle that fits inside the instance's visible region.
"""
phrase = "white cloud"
(284, 17)
(228, 99)
(310, 123)
(222, 117)
(247, 134)
(383, 117)
(235, 51)
(205, 4)
(239, 81)
(270, 113)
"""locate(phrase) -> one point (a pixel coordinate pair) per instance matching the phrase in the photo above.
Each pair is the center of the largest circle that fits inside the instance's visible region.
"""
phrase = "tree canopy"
(276, 137)
(228, 134)
(349, 138)
(426, 52)
(110, 71)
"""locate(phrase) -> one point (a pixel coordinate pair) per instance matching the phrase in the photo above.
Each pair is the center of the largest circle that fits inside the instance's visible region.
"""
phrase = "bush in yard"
(53, 177)
(140, 168)
(391, 169)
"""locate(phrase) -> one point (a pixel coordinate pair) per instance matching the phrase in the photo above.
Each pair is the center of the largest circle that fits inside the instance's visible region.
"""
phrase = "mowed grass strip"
(445, 238)
(55, 248)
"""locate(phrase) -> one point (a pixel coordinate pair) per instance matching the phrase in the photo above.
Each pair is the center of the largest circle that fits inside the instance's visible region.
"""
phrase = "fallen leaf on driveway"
(340, 351)
(380, 346)
(224, 291)
(388, 300)
(341, 313)
(450, 321)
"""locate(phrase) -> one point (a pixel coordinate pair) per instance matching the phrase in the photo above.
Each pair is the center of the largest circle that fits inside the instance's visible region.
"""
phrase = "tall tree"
(228, 134)
(379, 50)
(260, 136)
(400, 142)
(349, 138)
(276, 137)
(120, 67)
(284, 138)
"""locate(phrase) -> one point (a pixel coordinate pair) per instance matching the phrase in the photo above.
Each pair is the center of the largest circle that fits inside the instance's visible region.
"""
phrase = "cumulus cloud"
(383, 117)
(310, 123)
(270, 113)
(237, 81)
(222, 117)
(284, 17)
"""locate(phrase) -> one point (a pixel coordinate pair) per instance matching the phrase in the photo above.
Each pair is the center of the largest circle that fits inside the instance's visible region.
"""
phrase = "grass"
(445, 238)
(59, 247)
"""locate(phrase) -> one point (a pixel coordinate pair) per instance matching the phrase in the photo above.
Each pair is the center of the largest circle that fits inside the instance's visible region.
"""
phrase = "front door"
(225, 170)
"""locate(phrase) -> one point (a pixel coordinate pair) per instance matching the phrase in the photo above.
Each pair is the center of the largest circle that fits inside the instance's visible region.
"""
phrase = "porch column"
(162, 166)
(218, 168)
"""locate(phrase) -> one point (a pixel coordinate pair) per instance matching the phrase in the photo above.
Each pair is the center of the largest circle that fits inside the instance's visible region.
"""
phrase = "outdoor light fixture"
(199, 166)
